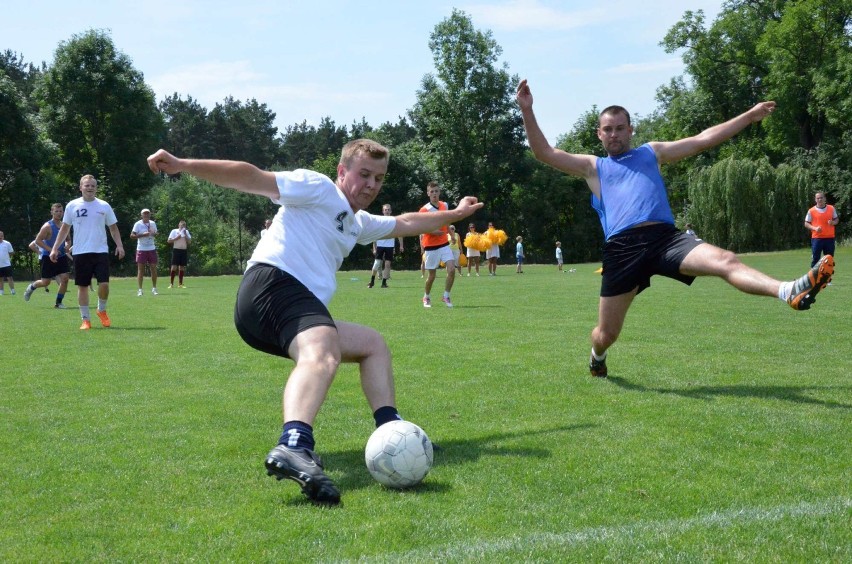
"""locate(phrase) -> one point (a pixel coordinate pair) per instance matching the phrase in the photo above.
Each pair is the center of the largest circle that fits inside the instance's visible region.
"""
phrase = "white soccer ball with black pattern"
(399, 454)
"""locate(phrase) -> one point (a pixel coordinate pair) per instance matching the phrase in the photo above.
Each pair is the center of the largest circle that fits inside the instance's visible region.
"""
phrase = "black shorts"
(50, 269)
(6, 271)
(273, 307)
(633, 256)
(384, 253)
(88, 265)
(179, 257)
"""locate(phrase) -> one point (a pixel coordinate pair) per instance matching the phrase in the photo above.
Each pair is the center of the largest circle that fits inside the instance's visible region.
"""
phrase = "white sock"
(785, 290)
(84, 312)
(101, 305)
(447, 295)
(596, 357)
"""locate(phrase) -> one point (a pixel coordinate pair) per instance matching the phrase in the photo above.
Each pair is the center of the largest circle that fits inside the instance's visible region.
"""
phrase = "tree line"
(90, 111)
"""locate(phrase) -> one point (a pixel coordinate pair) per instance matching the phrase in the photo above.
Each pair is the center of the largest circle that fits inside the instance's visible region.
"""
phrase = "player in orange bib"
(821, 220)
(436, 247)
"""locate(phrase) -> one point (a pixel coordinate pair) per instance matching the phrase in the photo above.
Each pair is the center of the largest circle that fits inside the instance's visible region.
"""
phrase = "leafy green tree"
(467, 118)
(102, 117)
(187, 128)
(244, 132)
(804, 49)
(27, 186)
(302, 144)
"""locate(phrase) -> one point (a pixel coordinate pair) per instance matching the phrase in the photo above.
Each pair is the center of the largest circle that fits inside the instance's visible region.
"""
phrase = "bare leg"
(429, 280)
(709, 260)
(611, 314)
(451, 276)
(318, 353)
(103, 291)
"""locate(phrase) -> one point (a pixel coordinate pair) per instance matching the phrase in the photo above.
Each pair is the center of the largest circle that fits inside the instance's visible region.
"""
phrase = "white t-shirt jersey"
(145, 243)
(6, 251)
(89, 220)
(314, 230)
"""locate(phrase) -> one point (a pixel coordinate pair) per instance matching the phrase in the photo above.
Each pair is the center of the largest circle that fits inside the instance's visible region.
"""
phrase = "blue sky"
(347, 60)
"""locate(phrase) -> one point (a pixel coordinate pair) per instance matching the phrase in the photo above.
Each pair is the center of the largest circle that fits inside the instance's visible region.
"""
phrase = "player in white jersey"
(281, 304)
(144, 232)
(89, 216)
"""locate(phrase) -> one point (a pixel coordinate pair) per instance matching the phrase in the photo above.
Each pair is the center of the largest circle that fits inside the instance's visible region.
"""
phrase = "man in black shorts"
(630, 197)
(49, 270)
(281, 306)
(179, 239)
(383, 253)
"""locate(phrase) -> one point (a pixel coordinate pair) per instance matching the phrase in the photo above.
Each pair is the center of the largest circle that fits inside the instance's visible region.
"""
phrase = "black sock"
(297, 435)
(386, 414)
(372, 279)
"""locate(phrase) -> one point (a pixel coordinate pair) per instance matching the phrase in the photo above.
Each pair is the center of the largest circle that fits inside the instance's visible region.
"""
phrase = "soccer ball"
(398, 454)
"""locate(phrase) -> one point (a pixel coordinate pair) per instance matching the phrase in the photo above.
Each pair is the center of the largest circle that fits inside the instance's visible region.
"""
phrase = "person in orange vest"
(821, 220)
(436, 247)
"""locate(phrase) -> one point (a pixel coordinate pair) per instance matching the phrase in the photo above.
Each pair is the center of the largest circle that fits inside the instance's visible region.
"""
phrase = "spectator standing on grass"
(179, 239)
(519, 254)
(630, 197)
(59, 270)
(455, 246)
(281, 306)
(6, 252)
(493, 253)
(436, 247)
(89, 216)
(144, 232)
(559, 256)
(383, 253)
(820, 221)
(473, 255)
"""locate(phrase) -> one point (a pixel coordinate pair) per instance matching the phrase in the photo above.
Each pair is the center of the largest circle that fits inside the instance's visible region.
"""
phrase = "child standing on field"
(519, 253)
(559, 256)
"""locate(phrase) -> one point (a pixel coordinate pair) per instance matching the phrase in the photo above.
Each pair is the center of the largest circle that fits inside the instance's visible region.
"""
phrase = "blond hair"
(359, 147)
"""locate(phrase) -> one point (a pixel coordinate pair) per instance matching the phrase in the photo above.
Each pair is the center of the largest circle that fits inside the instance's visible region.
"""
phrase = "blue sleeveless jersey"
(54, 231)
(632, 191)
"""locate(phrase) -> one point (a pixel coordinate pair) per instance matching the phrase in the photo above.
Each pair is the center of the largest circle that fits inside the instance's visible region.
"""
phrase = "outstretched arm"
(576, 165)
(416, 223)
(116, 237)
(237, 175)
(672, 151)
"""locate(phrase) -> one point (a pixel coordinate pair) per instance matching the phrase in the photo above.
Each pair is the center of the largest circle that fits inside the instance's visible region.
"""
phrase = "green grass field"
(722, 434)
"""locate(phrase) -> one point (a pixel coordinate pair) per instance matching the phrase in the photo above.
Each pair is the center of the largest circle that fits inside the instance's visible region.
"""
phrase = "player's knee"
(375, 344)
(604, 338)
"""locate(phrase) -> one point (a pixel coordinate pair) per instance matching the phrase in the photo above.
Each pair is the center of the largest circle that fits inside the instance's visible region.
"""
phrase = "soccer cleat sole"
(818, 278)
(312, 488)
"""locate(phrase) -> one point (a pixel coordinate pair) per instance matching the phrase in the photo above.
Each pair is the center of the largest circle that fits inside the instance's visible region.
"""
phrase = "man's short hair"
(363, 147)
(88, 177)
(614, 110)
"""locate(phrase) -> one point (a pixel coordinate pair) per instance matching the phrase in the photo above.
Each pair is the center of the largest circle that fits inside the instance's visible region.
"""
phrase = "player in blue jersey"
(59, 270)
(630, 197)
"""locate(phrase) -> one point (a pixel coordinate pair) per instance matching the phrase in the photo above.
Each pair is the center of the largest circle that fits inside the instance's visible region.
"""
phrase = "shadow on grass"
(795, 394)
(120, 328)
(355, 475)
